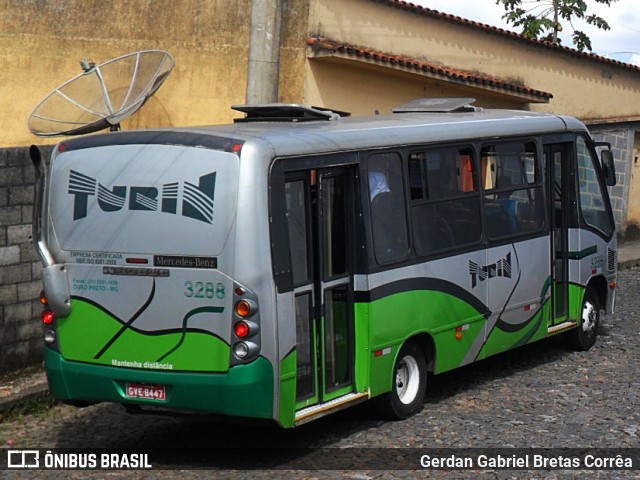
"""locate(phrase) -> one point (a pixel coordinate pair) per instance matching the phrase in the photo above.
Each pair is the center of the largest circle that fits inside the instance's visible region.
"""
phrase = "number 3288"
(204, 290)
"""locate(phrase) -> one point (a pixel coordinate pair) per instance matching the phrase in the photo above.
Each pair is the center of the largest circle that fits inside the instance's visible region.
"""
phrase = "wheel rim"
(407, 379)
(589, 318)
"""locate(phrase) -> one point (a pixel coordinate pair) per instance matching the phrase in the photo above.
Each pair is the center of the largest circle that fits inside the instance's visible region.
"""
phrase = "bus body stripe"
(422, 283)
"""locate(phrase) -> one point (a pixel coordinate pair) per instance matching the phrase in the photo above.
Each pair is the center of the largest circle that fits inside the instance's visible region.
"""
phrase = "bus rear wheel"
(584, 336)
(409, 384)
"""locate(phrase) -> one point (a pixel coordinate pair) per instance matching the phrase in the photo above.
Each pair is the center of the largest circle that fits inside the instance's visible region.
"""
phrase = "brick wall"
(20, 268)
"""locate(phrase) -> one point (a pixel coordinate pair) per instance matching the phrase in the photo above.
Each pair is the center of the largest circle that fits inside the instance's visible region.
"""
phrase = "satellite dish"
(102, 96)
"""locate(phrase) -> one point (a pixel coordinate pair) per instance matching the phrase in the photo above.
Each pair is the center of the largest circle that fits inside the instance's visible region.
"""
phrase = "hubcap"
(589, 318)
(407, 380)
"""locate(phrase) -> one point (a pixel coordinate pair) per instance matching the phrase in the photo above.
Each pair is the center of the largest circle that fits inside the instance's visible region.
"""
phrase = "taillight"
(43, 298)
(245, 308)
(246, 326)
(48, 317)
(242, 329)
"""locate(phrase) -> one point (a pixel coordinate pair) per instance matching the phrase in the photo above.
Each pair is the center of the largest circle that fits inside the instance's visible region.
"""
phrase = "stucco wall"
(42, 42)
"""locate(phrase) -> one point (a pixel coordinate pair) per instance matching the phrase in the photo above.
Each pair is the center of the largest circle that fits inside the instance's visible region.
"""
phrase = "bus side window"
(513, 199)
(388, 210)
(446, 207)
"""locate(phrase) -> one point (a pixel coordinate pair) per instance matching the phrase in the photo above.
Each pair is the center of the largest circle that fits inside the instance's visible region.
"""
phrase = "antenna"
(101, 96)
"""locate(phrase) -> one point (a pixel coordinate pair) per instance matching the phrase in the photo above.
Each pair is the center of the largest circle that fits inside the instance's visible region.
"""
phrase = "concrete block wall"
(20, 268)
(621, 139)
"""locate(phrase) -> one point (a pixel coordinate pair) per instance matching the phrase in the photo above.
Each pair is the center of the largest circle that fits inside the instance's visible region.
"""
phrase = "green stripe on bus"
(585, 252)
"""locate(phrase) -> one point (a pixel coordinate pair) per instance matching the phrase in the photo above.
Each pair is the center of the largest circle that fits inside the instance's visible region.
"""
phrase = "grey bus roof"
(351, 133)
(379, 131)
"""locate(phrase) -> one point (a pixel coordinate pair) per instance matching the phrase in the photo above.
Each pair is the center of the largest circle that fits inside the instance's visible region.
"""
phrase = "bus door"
(558, 160)
(325, 204)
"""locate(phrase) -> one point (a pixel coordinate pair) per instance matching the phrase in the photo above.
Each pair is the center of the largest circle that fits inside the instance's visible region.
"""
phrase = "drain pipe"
(263, 71)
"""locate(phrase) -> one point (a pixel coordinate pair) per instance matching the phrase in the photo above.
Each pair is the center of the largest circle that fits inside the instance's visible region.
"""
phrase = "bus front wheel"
(409, 384)
(584, 336)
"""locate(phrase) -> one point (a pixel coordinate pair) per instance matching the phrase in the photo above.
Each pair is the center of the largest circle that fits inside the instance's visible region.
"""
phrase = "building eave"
(322, 47)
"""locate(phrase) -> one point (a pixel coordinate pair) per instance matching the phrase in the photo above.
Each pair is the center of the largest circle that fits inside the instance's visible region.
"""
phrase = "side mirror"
(608, 168)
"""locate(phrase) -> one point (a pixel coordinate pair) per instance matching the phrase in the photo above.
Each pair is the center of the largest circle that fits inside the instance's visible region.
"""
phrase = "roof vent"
(286, 112)
(438, 105)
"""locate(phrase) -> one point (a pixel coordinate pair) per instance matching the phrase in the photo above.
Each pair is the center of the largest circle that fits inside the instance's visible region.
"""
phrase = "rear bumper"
(244, 391)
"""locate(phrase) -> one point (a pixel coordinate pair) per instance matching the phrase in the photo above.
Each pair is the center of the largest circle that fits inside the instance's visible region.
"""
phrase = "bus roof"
(347, 133)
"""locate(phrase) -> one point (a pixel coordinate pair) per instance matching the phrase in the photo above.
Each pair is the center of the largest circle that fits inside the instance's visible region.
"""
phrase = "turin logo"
(195, 201)
(502, 268)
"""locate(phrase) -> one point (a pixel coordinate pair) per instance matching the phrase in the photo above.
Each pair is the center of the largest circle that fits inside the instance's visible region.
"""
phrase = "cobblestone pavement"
(542, 395)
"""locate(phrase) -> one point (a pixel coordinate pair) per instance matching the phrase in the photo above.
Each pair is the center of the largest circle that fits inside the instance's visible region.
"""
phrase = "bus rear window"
(152, 199)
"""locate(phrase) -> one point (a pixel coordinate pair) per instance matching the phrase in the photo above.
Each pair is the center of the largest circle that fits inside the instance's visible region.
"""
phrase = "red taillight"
(48, 317)
(242, 330)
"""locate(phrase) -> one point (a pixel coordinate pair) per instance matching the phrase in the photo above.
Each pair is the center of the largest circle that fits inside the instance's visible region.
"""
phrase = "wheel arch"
(599, 285)
(428, 347)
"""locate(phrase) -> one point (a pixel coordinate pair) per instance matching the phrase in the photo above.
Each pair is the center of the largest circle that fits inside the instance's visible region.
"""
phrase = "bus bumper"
(243, 391)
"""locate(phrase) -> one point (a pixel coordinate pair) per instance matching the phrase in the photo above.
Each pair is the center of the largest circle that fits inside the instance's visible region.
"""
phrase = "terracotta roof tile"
(417, 9)
(463, 76)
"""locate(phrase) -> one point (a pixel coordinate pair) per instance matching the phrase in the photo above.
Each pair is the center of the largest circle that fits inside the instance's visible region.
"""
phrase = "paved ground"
(543, 395)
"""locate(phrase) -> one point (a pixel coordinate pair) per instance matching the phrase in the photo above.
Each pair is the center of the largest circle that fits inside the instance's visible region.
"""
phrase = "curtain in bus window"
(388, 215)
(513, 199)
(446, 207)
(592, 204)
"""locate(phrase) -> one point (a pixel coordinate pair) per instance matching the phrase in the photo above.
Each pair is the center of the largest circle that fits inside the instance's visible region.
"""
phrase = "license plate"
(148, 392)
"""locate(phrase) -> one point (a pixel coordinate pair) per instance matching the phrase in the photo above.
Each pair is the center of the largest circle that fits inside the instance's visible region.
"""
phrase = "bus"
(300, 260)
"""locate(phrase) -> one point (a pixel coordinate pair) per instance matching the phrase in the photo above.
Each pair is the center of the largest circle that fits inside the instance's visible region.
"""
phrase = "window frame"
(367, 155)
(604, 191)
(538, 185)
(425, 201)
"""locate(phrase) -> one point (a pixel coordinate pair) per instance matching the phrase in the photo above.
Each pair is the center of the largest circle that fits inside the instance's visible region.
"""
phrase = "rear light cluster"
(246, 326)
(48, 318)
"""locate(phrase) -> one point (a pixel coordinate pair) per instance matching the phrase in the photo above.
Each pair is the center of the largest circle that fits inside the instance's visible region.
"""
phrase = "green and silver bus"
(300, 261)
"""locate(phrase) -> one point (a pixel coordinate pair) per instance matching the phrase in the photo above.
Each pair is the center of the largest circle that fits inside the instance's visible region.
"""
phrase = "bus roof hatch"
(438, 105)
(286, 112)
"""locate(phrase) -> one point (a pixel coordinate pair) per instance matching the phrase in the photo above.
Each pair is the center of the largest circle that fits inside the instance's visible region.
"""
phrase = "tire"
(409, 384)
(584, 336)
